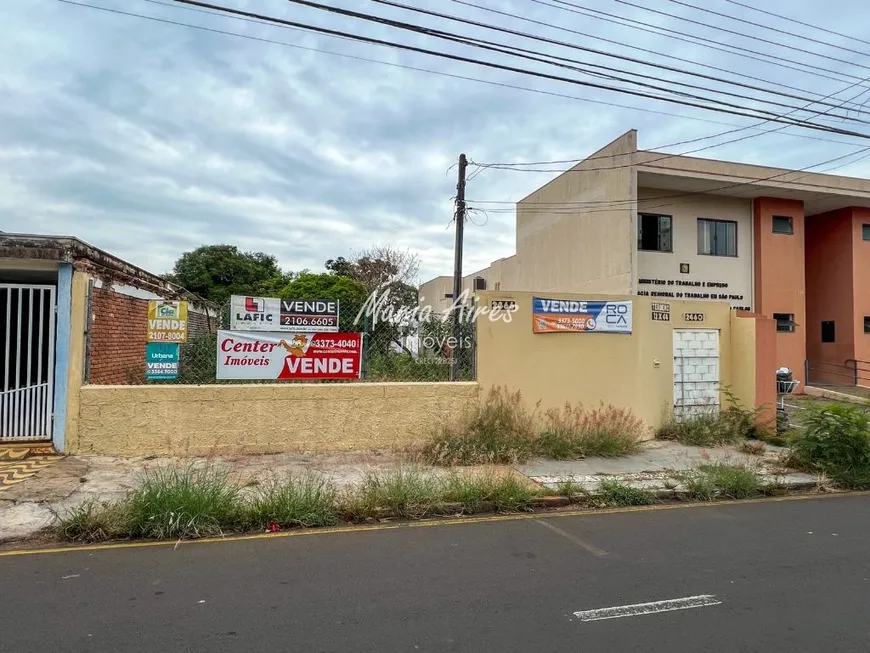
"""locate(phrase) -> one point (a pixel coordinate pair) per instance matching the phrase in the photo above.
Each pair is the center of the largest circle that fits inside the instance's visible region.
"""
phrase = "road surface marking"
(581, 512)
(637, 609)
(594, 550)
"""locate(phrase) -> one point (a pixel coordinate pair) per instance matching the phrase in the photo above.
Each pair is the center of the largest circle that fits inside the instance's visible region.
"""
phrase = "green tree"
(217, 271)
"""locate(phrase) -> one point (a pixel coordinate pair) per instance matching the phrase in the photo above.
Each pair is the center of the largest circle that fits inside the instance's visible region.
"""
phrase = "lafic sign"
(285, 356)
(563, 315)
(293, 316)
(167, 321)
(161, 361)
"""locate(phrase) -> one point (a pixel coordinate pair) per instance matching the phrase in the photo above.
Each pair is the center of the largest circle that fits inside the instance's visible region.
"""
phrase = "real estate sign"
(161, 361)
(284, 356)
(564, 315)
(290, 315)
(167, 321)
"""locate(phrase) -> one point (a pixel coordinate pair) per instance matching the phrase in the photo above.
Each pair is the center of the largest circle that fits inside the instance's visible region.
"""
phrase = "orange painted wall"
(830, 293)
(779, 277)
(861, 283)
(765, 367)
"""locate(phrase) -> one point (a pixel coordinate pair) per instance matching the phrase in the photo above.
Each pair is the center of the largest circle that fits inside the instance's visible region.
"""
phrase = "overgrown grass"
(711, 427)
(574, 432)
(478, 492)
(409, 493)
(835, 441)
(612, 493)
(182, 503)
(721, 481)
(501, 430)
(305, 500)
(93, 522)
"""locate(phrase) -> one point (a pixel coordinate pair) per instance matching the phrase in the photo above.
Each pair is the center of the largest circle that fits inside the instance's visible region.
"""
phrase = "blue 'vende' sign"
(161, 361)
(555, 315)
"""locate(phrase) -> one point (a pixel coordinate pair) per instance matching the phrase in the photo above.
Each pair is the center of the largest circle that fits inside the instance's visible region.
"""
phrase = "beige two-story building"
(626, 221)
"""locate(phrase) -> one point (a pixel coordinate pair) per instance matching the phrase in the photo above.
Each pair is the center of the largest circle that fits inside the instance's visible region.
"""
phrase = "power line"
(798, 22)
(628, 45)
(698, 40)
(743, 111)
(536, 37)
(403, 66)
(513, 51)
(768, 27)
(735, 32)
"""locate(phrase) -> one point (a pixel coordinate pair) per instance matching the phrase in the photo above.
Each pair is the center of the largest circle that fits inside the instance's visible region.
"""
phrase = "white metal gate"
(696, 371)
(27, 321)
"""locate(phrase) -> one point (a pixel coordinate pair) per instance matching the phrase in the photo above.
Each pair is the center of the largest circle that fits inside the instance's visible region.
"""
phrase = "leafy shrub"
(836, 441)
(499, 430)
(183, 503)
(305, 500)
(574, 432)
(612, 492)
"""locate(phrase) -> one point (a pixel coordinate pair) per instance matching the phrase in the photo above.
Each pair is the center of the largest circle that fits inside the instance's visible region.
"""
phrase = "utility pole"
(457, 267)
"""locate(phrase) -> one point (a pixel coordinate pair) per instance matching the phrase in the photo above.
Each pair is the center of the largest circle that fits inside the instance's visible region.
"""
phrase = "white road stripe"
(686, 603)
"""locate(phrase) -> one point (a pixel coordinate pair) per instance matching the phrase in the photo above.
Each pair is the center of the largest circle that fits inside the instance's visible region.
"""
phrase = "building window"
(782, 224)
(498, 285)
(479, 283)
(717, 237)
(654, 232)
(784, 322)
(866, 324)
(828, 331)
(865, 231)
(448, 295)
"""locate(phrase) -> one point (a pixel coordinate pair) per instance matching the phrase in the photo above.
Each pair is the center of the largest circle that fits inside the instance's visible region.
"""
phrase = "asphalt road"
(783, 576)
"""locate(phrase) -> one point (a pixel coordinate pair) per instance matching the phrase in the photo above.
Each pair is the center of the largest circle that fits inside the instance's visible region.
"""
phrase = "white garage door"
(696, 371)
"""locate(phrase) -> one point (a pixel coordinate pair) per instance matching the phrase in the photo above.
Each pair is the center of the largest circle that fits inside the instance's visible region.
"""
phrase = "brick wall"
(118, 331)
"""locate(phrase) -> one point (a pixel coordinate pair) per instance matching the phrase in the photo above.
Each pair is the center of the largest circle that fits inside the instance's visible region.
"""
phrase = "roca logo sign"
(254, 310)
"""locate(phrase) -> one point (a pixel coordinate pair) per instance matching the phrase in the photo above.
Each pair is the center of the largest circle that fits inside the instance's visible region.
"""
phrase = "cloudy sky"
(148, 139)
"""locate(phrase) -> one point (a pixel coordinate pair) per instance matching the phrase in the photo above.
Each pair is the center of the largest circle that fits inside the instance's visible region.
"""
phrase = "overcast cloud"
(149, 139)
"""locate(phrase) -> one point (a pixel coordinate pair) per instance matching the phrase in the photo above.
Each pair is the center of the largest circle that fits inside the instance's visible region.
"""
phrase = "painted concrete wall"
(780, 282)
(575, 233)
(75, 371)
(633, 371)
(830, 292)
(241, 419)
(665, 266)
(861, 292)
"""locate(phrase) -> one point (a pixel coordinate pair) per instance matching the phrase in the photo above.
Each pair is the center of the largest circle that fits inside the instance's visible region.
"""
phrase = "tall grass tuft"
(499, 431)
(184, 503)
(405, 492)
(93, 522)
(574, 432)
(488, 490)
(712, 427)
(721, 481)
(304, 500)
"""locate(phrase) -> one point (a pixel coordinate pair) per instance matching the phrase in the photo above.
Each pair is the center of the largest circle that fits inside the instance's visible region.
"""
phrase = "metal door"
(696, 372)
(27, 323)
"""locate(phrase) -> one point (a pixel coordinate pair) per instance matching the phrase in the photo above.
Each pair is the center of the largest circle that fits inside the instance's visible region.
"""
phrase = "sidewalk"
(33, 504)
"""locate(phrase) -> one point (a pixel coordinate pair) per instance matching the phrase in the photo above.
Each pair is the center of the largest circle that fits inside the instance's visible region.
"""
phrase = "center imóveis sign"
(283, 356)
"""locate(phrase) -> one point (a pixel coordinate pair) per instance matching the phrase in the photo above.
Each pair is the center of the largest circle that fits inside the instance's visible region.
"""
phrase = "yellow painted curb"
(586, 512)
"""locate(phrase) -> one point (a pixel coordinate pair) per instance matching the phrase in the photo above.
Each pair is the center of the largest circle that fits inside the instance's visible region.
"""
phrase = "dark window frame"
(829, 335)
(790, 223)
(659, 216)
(785, 320)
(478, 285)
(865, 231)
(867, 324)
(716, 221)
